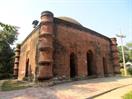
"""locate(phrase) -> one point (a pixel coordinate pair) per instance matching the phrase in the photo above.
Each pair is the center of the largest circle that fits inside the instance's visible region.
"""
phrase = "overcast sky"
(107, 17)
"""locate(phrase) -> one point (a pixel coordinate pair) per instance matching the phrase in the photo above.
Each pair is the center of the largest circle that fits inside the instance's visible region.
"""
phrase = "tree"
(127, 52)
(129, 46)
(8, 34)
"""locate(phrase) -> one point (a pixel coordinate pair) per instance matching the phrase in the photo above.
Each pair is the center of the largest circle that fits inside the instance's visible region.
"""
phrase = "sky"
(108, 17)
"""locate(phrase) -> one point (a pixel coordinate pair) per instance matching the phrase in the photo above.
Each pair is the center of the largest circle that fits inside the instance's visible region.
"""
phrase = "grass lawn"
(14, 85)
(128, 95)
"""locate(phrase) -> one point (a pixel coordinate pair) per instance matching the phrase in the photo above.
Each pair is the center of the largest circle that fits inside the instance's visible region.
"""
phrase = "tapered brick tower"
(115, 56)
(45, 47)
(16, 63)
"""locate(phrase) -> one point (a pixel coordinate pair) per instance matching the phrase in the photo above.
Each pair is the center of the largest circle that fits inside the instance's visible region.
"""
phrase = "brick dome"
(69, 20)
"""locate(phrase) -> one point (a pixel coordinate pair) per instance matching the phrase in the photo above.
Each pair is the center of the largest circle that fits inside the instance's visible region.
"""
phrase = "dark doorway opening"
(73, 65)
(27, 68)
(91, 69)
(105, 66)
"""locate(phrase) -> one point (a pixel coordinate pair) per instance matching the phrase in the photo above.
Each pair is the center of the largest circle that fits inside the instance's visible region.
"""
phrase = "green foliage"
(128, 95)
(129, 45)
(122, 71)
(130, 55)
(8, 35)
(129, 71)
(127, 52)
(13, 85)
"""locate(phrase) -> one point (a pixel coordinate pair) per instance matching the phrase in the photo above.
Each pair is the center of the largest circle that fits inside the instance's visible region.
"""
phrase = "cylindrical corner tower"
(115, 56)
(16, 63)
(45, 46)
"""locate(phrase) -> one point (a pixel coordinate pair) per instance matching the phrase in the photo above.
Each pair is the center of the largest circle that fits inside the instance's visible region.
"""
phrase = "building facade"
(62, 47)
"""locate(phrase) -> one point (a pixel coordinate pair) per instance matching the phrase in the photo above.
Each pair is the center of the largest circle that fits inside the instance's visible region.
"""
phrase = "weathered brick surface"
(70, 40)
(28, 51)
(50, 46)
(45, 60)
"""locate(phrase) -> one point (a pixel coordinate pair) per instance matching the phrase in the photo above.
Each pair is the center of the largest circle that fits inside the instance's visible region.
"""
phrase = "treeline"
(8, 34)
(127, 52)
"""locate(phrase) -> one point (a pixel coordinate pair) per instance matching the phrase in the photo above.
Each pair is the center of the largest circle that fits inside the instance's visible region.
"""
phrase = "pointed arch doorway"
(91, 69)
(27, 68)
(105, 66)
(73, 65)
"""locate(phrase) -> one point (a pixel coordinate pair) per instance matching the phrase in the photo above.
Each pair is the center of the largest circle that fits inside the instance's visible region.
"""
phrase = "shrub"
(122, 71)
(128, 95)
(129, 71)
(5, 76)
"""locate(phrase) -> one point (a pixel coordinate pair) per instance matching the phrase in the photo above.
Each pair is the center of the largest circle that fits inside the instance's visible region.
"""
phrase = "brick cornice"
(79, 27)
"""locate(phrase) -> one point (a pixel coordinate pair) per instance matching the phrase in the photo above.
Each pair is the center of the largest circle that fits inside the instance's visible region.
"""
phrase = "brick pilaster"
(115, 56)
(45, 47)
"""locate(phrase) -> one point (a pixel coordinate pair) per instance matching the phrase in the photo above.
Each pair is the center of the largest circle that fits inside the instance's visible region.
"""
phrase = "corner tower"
(115, 56)
(45, 46)
(16, 63)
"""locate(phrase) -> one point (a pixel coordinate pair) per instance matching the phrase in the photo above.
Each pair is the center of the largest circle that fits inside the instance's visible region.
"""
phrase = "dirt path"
(74, 90)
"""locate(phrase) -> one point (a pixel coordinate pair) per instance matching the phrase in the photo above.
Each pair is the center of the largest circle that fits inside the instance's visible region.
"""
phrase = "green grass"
(13, 85)
(128, 95)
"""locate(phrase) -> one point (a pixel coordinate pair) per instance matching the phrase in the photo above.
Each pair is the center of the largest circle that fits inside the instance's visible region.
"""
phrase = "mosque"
(62, 47)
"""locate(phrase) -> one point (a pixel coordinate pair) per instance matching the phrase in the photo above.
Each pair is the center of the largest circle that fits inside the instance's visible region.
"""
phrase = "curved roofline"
(69, 19)
(33, 31)
(70, 24)
(79, 27)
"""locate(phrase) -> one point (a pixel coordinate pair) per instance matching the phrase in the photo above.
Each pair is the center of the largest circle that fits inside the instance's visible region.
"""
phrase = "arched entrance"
(104, 66)
(91, 69)
(27, 68)
(73, 65)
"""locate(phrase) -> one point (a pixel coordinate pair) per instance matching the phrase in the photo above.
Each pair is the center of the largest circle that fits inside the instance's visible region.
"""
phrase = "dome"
(69, 20)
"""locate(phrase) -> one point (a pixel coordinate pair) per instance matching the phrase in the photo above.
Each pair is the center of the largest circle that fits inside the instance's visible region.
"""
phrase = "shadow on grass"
(14, 85)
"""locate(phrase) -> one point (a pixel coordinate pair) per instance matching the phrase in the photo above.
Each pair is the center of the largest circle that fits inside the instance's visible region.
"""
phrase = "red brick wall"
(66, 41)
(70, 40)
(28, 51)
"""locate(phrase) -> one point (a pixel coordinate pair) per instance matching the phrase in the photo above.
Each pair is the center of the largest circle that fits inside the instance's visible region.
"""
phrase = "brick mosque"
(62, 47)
